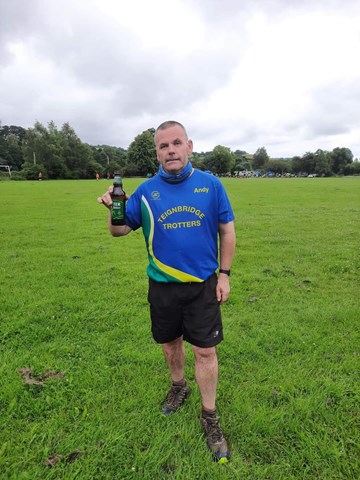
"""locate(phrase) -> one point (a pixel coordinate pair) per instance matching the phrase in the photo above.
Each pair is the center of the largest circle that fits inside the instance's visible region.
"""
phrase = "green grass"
(73, 300)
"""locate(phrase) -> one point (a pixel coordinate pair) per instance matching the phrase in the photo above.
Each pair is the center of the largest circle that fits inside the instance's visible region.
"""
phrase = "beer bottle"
(118, 207)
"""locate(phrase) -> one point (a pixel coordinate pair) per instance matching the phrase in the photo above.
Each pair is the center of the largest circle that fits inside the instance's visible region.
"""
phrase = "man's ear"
(190, 146)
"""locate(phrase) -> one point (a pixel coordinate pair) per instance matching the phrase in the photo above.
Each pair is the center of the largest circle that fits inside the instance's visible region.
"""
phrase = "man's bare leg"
(174, 353)
(206, 374)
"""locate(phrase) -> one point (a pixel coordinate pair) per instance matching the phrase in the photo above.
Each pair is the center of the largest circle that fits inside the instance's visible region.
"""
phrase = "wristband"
(227, 272)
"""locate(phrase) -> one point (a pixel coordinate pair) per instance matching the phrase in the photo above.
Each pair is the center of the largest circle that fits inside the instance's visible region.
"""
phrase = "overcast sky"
(283, 74)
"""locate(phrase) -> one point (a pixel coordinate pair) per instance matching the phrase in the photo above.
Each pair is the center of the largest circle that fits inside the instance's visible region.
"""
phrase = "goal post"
(7, 167)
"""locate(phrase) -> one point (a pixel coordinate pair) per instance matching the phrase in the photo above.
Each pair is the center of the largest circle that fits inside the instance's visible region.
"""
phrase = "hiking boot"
(215, 438)
(175, 398)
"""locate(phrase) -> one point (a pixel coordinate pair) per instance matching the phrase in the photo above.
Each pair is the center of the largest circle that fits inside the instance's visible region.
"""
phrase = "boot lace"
(176, 395)
(213, 430)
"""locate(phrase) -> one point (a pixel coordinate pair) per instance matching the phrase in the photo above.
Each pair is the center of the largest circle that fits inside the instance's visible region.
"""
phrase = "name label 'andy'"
(201, 190)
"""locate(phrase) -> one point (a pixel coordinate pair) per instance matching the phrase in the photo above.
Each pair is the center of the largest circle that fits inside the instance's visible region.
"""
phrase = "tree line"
(60, 154)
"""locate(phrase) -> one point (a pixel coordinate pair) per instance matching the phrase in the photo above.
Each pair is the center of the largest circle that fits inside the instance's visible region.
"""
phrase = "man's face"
(173, 149)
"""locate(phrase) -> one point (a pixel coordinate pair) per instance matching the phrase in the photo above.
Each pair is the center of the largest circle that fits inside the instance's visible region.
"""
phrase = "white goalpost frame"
(8, 168)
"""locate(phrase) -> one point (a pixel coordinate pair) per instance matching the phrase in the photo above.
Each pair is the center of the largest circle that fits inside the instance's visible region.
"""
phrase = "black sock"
(180, 383)
(208, 413)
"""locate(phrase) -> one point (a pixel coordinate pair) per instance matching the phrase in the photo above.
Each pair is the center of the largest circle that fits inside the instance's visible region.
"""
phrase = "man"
(182, 211)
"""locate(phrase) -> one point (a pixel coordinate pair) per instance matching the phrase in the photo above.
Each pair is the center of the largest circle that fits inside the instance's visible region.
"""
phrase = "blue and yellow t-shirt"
(180, 225)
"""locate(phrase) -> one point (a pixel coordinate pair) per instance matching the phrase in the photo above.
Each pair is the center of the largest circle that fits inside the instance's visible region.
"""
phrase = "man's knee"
(204, 354)
(173, 346)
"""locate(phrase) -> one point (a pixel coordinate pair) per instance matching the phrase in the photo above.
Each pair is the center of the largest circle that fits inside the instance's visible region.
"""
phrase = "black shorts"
(188, 309)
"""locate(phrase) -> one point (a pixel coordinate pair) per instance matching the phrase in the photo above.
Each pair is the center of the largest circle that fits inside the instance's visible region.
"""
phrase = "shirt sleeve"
(133, 211)
(225, 211)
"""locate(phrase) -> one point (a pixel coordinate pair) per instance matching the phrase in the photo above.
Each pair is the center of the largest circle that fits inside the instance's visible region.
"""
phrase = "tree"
(242, 161)
(42, 145)
(260, 158)
(93, 168)
(221, 160)
(322, 163)
(296, 164)
(308, 163)
(141, 156)
(111, 158)
(11, 139)
(318, 162)
(340, 157)
(198, 160)
(30, 171)
(352, 168)
(76, 155)
(61, 153)
(278, 166)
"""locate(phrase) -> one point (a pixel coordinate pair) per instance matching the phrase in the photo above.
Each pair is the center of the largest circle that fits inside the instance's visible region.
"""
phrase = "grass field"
(74, 314)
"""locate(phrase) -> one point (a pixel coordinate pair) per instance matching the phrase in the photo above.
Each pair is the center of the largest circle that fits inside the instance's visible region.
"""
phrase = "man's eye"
(177, 142)
(162, 147)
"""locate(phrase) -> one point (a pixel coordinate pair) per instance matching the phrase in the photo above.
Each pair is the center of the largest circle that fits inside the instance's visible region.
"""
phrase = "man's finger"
(105, 199)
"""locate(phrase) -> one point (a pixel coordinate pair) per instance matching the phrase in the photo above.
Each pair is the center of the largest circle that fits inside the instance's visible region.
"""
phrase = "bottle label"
(117, 209)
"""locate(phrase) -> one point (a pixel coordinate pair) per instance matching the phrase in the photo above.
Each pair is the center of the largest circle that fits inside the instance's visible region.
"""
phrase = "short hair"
(168, 124)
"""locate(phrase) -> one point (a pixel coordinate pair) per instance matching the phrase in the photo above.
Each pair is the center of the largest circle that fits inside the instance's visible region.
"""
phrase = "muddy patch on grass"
(30, 379)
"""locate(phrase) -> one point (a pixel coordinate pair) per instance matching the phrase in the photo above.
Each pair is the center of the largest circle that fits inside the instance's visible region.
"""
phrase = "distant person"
(40, 176)
(97, 176)
(182, 212)
(108, 176)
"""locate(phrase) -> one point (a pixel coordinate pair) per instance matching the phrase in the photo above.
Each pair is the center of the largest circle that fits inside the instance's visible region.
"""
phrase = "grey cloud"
(239, 136)
(235, 12)
(142, 80)
(17, 21)
(220, 12)
(335, 108)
